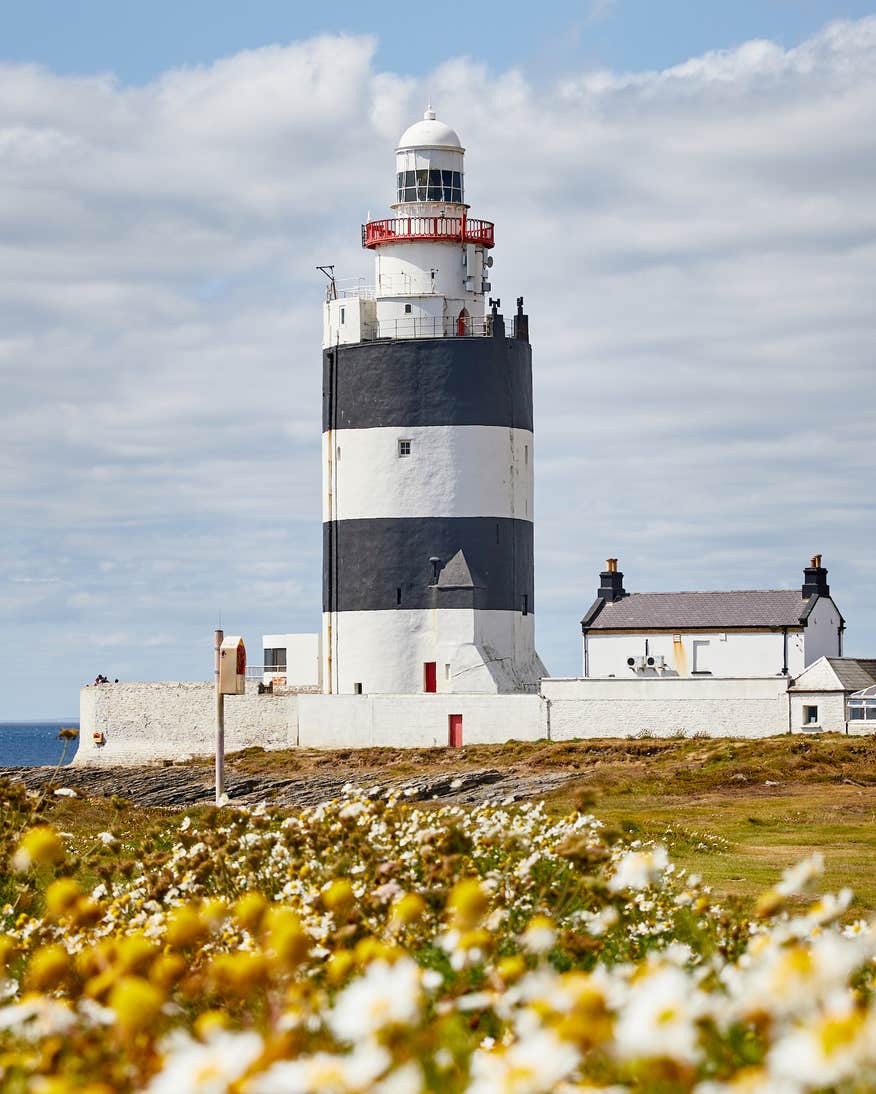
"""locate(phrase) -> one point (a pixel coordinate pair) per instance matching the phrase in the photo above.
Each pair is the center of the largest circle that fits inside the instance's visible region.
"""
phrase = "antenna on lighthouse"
(329, 272)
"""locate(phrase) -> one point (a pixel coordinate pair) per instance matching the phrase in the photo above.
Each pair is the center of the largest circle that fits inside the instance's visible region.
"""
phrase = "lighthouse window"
(429, 185)
(404, 448)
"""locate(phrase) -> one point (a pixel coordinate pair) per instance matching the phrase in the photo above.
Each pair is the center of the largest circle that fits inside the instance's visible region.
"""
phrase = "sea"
(32, 744)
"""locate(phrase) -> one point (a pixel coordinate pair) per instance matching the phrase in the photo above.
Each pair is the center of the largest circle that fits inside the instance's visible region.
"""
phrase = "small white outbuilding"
(835, 694)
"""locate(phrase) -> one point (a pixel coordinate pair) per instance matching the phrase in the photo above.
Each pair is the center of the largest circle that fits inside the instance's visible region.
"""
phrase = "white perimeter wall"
(727, 654)
(399, 721)
(172, 721)
(157, 721)
(620, 708)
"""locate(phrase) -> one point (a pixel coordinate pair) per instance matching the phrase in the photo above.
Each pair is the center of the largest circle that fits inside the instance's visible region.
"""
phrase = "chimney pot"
(815, 579)
(612, 582)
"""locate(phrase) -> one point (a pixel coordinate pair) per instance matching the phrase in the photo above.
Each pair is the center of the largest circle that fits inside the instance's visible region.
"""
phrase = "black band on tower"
(382, 564)
(428, 381)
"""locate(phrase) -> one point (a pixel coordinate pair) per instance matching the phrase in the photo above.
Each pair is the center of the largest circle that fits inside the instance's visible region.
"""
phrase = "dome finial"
(429, 113)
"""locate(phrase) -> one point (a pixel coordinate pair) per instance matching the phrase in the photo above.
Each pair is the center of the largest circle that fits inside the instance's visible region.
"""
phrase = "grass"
(736, 812)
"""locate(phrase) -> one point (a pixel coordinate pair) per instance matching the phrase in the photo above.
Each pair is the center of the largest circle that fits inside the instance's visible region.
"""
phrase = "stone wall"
(664, 707)
(401, 721)
(155, 721)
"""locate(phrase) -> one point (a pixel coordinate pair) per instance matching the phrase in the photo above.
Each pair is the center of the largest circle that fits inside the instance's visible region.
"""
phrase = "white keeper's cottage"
(741, 632)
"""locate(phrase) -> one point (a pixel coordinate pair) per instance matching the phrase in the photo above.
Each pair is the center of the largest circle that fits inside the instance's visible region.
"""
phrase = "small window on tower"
(404, 448)
(525, 604)
(342, 314)
(408, 309)
(357, 689)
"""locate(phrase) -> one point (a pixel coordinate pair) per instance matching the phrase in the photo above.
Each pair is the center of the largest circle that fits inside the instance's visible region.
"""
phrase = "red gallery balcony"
(420, 229)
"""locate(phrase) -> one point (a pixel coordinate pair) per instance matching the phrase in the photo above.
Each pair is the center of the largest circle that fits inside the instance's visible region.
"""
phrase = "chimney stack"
(815, 579)
(612, 582)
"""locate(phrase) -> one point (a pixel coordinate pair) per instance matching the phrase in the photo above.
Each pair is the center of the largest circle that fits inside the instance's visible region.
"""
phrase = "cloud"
(697, 248)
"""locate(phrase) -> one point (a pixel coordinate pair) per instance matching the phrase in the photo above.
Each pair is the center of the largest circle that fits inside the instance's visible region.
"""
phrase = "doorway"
(454, 730)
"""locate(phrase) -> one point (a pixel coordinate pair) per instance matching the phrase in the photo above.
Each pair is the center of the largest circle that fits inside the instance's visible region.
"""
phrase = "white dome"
(430, 133)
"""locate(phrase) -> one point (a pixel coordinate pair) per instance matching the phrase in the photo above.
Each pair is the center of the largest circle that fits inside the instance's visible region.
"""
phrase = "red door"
(454, 728)
(430, 676)
(462, 323)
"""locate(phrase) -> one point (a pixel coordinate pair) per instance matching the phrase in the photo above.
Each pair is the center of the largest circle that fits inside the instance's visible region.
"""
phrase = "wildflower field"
(369, 944)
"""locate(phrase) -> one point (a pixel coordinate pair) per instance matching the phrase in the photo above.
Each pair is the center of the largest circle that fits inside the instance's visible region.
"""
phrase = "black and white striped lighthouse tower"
(428, 580)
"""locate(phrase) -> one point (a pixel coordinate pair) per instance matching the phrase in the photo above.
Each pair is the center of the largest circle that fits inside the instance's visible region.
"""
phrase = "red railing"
(416, 229)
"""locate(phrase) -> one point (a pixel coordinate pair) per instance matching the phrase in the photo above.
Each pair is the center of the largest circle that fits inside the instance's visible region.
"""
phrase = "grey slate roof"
(855, 674)
(678, 611)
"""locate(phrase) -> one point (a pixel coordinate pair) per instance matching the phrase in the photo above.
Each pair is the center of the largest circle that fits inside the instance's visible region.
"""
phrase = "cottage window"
(701, 658)
(404, 447)
(810, 716)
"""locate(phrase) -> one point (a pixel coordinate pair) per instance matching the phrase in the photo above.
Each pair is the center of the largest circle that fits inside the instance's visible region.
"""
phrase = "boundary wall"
(713, 706)
(142, 722)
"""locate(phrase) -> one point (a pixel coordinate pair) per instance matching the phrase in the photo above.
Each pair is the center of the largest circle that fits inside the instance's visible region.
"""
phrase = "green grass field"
(735, 812)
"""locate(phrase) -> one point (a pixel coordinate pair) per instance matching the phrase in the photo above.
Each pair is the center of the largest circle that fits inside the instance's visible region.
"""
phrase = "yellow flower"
(287, 940)
(48, 968)
(40, 846)
(167, 970)
(339, 966)
(210, 1021)
(407, 909)
(135, 953)
(137, 1003)
(184, 927)
(468, 902)
(61, 896)
(511, 968)
(339, 896)
(238, 973)
(7, 949)
(249, 910)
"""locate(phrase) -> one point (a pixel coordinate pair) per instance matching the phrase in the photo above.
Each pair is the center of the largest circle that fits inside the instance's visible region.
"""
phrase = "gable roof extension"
(680, 611)
(854, 673)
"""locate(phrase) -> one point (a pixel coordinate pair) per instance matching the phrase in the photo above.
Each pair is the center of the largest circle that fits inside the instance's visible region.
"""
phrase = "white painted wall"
(487, 651)
(724, 653)
(141, 722)
(415, 721)
(664, 707)
(452, 471)
(144, 722)
(831, 711)
(821, 636)
(303, 660)
(347, 319)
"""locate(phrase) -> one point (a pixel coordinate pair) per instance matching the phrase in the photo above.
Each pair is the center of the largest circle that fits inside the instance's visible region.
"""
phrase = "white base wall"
(476, 652)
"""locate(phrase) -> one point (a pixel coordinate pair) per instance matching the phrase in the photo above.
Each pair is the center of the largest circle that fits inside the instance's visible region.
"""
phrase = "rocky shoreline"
(178, 786)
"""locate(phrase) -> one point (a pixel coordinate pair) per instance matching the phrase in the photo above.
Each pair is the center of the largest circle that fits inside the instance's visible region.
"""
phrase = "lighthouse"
(427, 457)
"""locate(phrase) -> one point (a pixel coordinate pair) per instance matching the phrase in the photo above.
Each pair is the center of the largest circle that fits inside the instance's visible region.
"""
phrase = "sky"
(682, 192)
